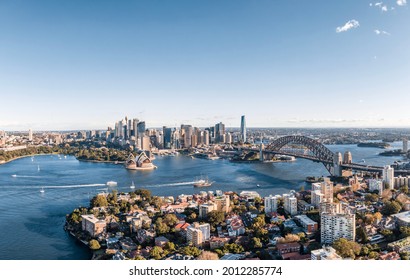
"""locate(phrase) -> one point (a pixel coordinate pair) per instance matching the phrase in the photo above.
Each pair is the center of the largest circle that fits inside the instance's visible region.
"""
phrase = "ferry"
(111, 183)
(202, 183)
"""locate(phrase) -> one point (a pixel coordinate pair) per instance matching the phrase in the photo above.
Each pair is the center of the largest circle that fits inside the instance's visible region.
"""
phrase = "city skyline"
(79, 65)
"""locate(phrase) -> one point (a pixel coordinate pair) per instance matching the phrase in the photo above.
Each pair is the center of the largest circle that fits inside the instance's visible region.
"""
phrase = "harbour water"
(31, 222)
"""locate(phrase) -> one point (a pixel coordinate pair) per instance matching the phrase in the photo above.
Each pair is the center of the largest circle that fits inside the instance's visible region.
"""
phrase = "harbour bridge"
(315, 151)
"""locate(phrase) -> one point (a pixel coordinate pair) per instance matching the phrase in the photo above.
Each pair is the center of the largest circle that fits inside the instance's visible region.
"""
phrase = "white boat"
(42, 190)
(14, 175)
(257, 185)
(132, 186)
(38, 167)
(65, 156)
(202, 183)
(32, 158)
(111, 183)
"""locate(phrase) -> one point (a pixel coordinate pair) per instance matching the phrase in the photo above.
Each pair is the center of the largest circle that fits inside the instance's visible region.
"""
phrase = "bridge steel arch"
(323, 154)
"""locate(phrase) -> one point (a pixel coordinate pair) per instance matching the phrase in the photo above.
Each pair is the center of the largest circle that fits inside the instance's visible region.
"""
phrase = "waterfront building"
(376, 185)
(325, 253)
(243, 129)
(388, 177)
(271, 203)
(145, 143)
(92, 225)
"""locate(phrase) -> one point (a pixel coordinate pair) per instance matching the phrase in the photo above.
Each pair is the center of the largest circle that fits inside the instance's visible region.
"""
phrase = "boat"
(257, 185)
(111, 183)
(132, 186)
(32, 158)
(42, 190)
(65, 156)
(202, 183)
(38, 167)
(14, 175)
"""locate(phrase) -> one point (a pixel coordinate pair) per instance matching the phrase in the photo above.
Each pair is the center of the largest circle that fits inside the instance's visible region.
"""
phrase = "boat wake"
(24, 176)
(171, 184)
(74, 186)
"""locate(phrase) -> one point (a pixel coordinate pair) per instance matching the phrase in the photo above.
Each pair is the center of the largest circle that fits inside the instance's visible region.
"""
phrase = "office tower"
(134, 131)
(337, 225)
(271, 203)
(388, 177)
(167, 134)
(206, 137)
(228, 138)
(186, 133)
(243, 129)
(290, 204)
(347, 157)
(194, 140)
(405, 145)
(219, 133)
(141, 128)
(145, 143)
(30, 135)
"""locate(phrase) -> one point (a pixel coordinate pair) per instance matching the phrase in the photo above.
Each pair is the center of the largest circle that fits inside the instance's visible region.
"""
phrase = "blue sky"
(84, 64)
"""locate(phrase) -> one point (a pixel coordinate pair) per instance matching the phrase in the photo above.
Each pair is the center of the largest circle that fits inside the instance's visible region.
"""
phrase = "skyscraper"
(388, 176)
(30, 135)
(219, 133)
(243, 129)
(167, 134)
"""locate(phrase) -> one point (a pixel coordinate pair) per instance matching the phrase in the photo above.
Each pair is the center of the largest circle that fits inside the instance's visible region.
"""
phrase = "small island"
(391, 153)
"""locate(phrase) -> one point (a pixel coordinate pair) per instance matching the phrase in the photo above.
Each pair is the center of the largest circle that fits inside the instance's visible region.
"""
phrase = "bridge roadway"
(353, 166)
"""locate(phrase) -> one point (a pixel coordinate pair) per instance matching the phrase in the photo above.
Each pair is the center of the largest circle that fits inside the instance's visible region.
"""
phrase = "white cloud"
(401, 2)
(384, 9)
(349, 25)
(381, 32)
(378, 4)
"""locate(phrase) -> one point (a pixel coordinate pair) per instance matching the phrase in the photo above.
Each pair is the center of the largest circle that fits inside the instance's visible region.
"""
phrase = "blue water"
(31, 223)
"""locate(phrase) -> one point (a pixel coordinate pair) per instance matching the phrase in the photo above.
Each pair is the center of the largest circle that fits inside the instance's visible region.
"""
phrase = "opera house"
(141, 162)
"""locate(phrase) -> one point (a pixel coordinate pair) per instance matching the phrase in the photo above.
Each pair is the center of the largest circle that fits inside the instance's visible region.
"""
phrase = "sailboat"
(42, 190)
(38, 168)
(132, 186)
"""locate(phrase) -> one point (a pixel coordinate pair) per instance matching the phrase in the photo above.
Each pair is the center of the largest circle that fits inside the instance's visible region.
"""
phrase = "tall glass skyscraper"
(243, 129)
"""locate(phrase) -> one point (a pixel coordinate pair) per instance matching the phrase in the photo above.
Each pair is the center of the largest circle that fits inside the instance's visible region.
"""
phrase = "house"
(217, 242)
(389, 256)
(284, 248)
(144, 235)
(92, 225)
(128, 244)
(160, 241)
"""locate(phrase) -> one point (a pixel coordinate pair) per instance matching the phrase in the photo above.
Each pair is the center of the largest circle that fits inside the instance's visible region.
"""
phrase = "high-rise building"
(243, 129)
(271, 203)
(30, 135)
(388, 177)
(141, 128)
(316, 198)
(206, 138)
(326, 188)
(167, 134)
(290, 204)
(146, 143)
(198, 234)
(337, 225)
(228, 138)
(219, 133)
(376, 185)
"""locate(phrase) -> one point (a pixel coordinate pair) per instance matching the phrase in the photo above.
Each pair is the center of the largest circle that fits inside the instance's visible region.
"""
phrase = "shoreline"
(20, 157)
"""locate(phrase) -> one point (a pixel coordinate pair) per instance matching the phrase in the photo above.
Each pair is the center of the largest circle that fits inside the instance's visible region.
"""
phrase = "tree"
(346, 248)
(161, 227)
(289, 238)
(139, 258)
(258, 222)
(94, 244)
(377, 216)
(99, 201)
(372, 197)
(390, 208)
(215, 217)
(233, 248)
(404, 189)
(145, 194)
(207, 255)
(190, 251)
(170, 220)
(404, 231)
(156, 252)
(169, 246)
(361, 235)
(256, 243)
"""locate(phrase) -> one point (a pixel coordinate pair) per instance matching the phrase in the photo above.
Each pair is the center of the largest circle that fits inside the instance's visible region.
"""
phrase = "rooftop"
(403, 216)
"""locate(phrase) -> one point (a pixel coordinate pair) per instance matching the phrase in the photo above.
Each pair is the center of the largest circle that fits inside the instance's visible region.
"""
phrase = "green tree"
(215, 217)
(99, 201)
(94, 244)
(156, 253)
(161, 227)
(404, 231)
(145, 194)
(169, 246)
(256, 243)
(139, 258)
(362, 235)
(170, 220)
(233, 248)
(346, 248)
(190, 251)
(259, 222)
(390, 208)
